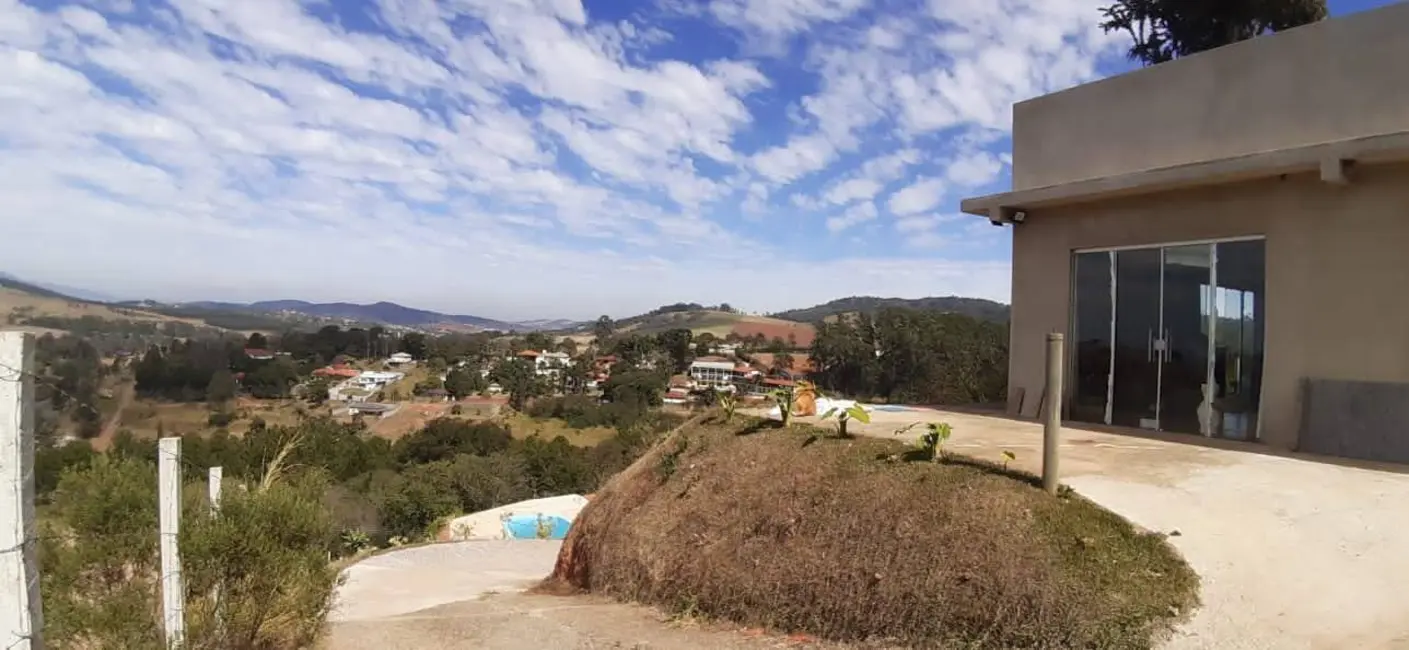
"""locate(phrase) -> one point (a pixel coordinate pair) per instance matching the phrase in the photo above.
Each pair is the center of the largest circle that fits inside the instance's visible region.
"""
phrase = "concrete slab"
(1295, 552)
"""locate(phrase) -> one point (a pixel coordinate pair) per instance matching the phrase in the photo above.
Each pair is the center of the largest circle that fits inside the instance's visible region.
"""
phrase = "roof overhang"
(1333, 160)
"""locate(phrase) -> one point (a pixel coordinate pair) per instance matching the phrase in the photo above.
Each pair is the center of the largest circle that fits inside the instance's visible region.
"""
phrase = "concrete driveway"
(470, 595)
(1294, 552)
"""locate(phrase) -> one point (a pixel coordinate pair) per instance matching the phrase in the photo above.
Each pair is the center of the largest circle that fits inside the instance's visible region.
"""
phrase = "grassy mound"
(799, 532)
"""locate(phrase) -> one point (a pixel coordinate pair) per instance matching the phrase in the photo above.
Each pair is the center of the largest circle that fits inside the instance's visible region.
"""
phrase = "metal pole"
(21, 617)
(1051, 431)
(173, 595)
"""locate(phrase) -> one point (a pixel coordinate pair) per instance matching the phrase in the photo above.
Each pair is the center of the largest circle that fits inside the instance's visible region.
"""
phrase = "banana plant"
(728, 402)
(844, 415)
(785, 398)
(932, 440)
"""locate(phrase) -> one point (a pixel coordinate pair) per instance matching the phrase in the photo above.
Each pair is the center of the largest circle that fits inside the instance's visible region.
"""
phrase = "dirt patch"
(794, 531)
(408, 418)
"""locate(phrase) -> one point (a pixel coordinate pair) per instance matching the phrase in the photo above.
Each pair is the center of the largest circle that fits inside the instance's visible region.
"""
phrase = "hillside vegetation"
(796, 531)
(979, 308)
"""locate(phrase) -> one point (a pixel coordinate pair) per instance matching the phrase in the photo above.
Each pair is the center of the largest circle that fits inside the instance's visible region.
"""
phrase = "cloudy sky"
(522, 158)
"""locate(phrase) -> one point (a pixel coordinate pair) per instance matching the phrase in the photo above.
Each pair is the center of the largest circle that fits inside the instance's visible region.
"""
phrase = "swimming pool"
(536, 527)
(891, 408)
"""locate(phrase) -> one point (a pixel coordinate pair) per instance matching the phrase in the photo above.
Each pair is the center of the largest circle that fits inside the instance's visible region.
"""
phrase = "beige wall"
(1337, 275)
(1338, 79)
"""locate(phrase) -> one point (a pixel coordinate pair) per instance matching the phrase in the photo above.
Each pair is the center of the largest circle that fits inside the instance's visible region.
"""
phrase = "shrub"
(100, 569)
(445, 438)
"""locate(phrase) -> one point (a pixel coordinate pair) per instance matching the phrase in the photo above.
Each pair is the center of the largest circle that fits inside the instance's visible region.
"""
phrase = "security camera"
(1019, 216)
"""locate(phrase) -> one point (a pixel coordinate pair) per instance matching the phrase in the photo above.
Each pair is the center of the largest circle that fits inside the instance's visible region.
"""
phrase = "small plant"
(786, 399)
(844, 415)
(544, 528)
(456, 410)
(727, 401)
(354, 542)
(932, 440)
(1008, 457)
(463, 530)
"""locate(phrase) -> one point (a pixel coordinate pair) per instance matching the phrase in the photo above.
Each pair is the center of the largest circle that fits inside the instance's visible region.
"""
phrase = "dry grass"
(800, 533)
(11, 299)
(522, 426)
(145, 417)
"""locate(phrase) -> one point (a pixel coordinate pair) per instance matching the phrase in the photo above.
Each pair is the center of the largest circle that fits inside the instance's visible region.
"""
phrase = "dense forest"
(914, 356)
(979, 308)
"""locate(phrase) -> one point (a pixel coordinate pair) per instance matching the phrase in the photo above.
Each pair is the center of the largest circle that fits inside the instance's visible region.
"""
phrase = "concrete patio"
(1294, 551)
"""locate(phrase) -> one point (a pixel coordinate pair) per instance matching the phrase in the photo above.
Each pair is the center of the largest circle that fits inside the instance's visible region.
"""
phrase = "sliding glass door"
(1162, 343)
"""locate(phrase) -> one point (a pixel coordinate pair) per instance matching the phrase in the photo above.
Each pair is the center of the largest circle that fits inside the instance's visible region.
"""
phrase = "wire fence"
(117, 531)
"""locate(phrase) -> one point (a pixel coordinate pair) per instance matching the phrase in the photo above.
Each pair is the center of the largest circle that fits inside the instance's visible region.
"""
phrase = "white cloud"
(922, 195)
(974, 170)
(856, 214)
(516, 158)
(782, 16)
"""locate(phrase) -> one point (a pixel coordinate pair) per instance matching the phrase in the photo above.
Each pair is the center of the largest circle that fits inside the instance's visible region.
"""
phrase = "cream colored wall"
(1337, 79)
(1337, 275)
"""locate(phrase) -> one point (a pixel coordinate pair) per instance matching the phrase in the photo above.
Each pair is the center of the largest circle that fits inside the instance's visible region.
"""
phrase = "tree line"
(907, 355)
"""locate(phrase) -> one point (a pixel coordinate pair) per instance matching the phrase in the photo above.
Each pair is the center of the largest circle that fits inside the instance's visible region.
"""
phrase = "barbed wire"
(49, 383)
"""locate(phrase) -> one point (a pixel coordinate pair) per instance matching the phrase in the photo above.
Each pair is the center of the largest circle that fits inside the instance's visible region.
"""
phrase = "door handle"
(1168, 345)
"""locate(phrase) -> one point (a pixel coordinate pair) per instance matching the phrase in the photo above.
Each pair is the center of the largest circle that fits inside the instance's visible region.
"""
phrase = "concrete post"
(21, 618)
(173, 595)
(215, 477)
(1051, 431)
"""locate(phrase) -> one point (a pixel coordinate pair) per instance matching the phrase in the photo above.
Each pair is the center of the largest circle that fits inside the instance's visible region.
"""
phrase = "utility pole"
(1051, 431)
(173, 595)
(21, 617)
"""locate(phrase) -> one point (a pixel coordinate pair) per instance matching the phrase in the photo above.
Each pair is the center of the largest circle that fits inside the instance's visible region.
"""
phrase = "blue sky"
(523, 158)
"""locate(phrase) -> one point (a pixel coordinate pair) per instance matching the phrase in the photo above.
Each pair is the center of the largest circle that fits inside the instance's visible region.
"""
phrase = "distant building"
(259, 354)
(400, 359)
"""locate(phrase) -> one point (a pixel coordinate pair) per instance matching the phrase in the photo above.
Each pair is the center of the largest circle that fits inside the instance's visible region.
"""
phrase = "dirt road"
(126, 391)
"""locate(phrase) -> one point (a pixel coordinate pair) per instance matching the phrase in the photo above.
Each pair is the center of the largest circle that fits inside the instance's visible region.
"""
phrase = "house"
(712, 371)
(1224, 241)
(371, 408)
(400, 359)
(546, 363)
(375, 379)
(259, 354)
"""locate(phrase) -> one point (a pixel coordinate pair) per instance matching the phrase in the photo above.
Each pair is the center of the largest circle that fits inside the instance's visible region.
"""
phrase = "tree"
(464, 381)
(1163, 30)
(603, 330)
(257, 341)
(414, 344)
(676, 344)
(519, 379)
(637, 388)
(221, 388)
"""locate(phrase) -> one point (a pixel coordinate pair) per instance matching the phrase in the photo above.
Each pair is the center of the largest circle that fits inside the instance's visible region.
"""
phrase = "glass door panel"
(1182, 343)
(1135, 393)
(1092, 331)
(1239, 299)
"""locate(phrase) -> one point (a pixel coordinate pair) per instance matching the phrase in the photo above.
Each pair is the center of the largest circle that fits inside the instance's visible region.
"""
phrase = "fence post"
(173, 595)
(214, 478)
(1051, 430)
(21, 617)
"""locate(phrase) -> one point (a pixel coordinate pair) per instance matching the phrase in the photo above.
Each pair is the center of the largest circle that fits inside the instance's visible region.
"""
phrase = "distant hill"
(974, 307)
(386, 313)
(701, 320)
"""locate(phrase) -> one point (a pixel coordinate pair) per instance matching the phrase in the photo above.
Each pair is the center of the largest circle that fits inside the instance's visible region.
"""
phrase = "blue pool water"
(528, 527)
(890, 408)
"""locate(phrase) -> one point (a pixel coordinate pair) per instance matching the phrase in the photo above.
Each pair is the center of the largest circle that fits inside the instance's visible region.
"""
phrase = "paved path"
(1294, 552)
(468, 595)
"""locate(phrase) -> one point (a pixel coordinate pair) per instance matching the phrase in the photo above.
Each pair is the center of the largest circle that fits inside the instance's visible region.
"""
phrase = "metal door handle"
(1168, 345)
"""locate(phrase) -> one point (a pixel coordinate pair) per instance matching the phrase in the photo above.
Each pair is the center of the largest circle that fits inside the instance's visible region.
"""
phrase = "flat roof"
(1391, 147)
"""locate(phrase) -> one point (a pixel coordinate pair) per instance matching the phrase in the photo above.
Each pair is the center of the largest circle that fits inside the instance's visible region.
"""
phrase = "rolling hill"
(974, 307)
(386, 313)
